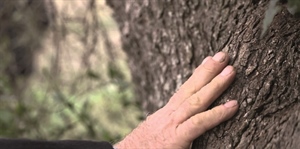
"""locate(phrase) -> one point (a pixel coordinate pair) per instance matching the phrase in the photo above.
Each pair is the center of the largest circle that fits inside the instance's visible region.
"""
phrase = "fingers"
(205, 96)
(200, 123)
(203, 74)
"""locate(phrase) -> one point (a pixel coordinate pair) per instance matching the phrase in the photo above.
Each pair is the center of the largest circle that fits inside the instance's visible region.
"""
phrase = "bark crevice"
(175, 36)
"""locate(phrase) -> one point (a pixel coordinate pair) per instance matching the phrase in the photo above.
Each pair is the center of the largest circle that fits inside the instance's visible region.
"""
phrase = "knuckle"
(200, 122)
(191, 89)
(196, 100)
(216, 114)
(217, 84)
(197, 120)
(210, 66)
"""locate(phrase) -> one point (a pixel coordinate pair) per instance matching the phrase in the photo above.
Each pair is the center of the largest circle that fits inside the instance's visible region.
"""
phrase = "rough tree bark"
(166, 40)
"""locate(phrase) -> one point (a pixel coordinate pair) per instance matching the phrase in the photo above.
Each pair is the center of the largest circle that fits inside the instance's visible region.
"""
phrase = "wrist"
(126, 143)
(138, 138)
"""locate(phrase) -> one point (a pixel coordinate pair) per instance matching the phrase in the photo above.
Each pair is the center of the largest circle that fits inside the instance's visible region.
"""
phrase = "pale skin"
(185, 116)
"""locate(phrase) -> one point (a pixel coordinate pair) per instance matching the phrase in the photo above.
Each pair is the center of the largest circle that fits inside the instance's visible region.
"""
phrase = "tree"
(166, 40)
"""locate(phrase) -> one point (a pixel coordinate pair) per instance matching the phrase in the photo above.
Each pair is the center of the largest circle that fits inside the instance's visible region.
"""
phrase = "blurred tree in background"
(62, 72)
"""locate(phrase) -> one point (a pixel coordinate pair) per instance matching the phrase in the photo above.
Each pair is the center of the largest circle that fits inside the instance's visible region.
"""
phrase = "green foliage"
(52, 114)
(80, 89)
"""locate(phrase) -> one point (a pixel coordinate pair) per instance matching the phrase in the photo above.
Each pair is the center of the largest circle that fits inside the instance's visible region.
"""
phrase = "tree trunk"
(166, 40)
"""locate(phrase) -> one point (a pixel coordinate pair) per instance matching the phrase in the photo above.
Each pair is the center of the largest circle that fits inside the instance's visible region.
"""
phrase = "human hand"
(184, 117)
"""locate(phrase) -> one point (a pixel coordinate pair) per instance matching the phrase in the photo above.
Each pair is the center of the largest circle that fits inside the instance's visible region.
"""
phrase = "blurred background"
(63, 74)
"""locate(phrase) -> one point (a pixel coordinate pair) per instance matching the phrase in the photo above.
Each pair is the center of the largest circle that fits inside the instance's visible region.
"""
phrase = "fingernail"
(227, 71)
(231, 103)
(219, 57)
(204, 60)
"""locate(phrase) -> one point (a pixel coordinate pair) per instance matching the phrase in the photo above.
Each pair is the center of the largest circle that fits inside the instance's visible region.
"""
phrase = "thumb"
(200, 123)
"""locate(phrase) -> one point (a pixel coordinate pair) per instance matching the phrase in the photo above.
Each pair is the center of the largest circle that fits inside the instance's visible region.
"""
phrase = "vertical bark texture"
(166, 40)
